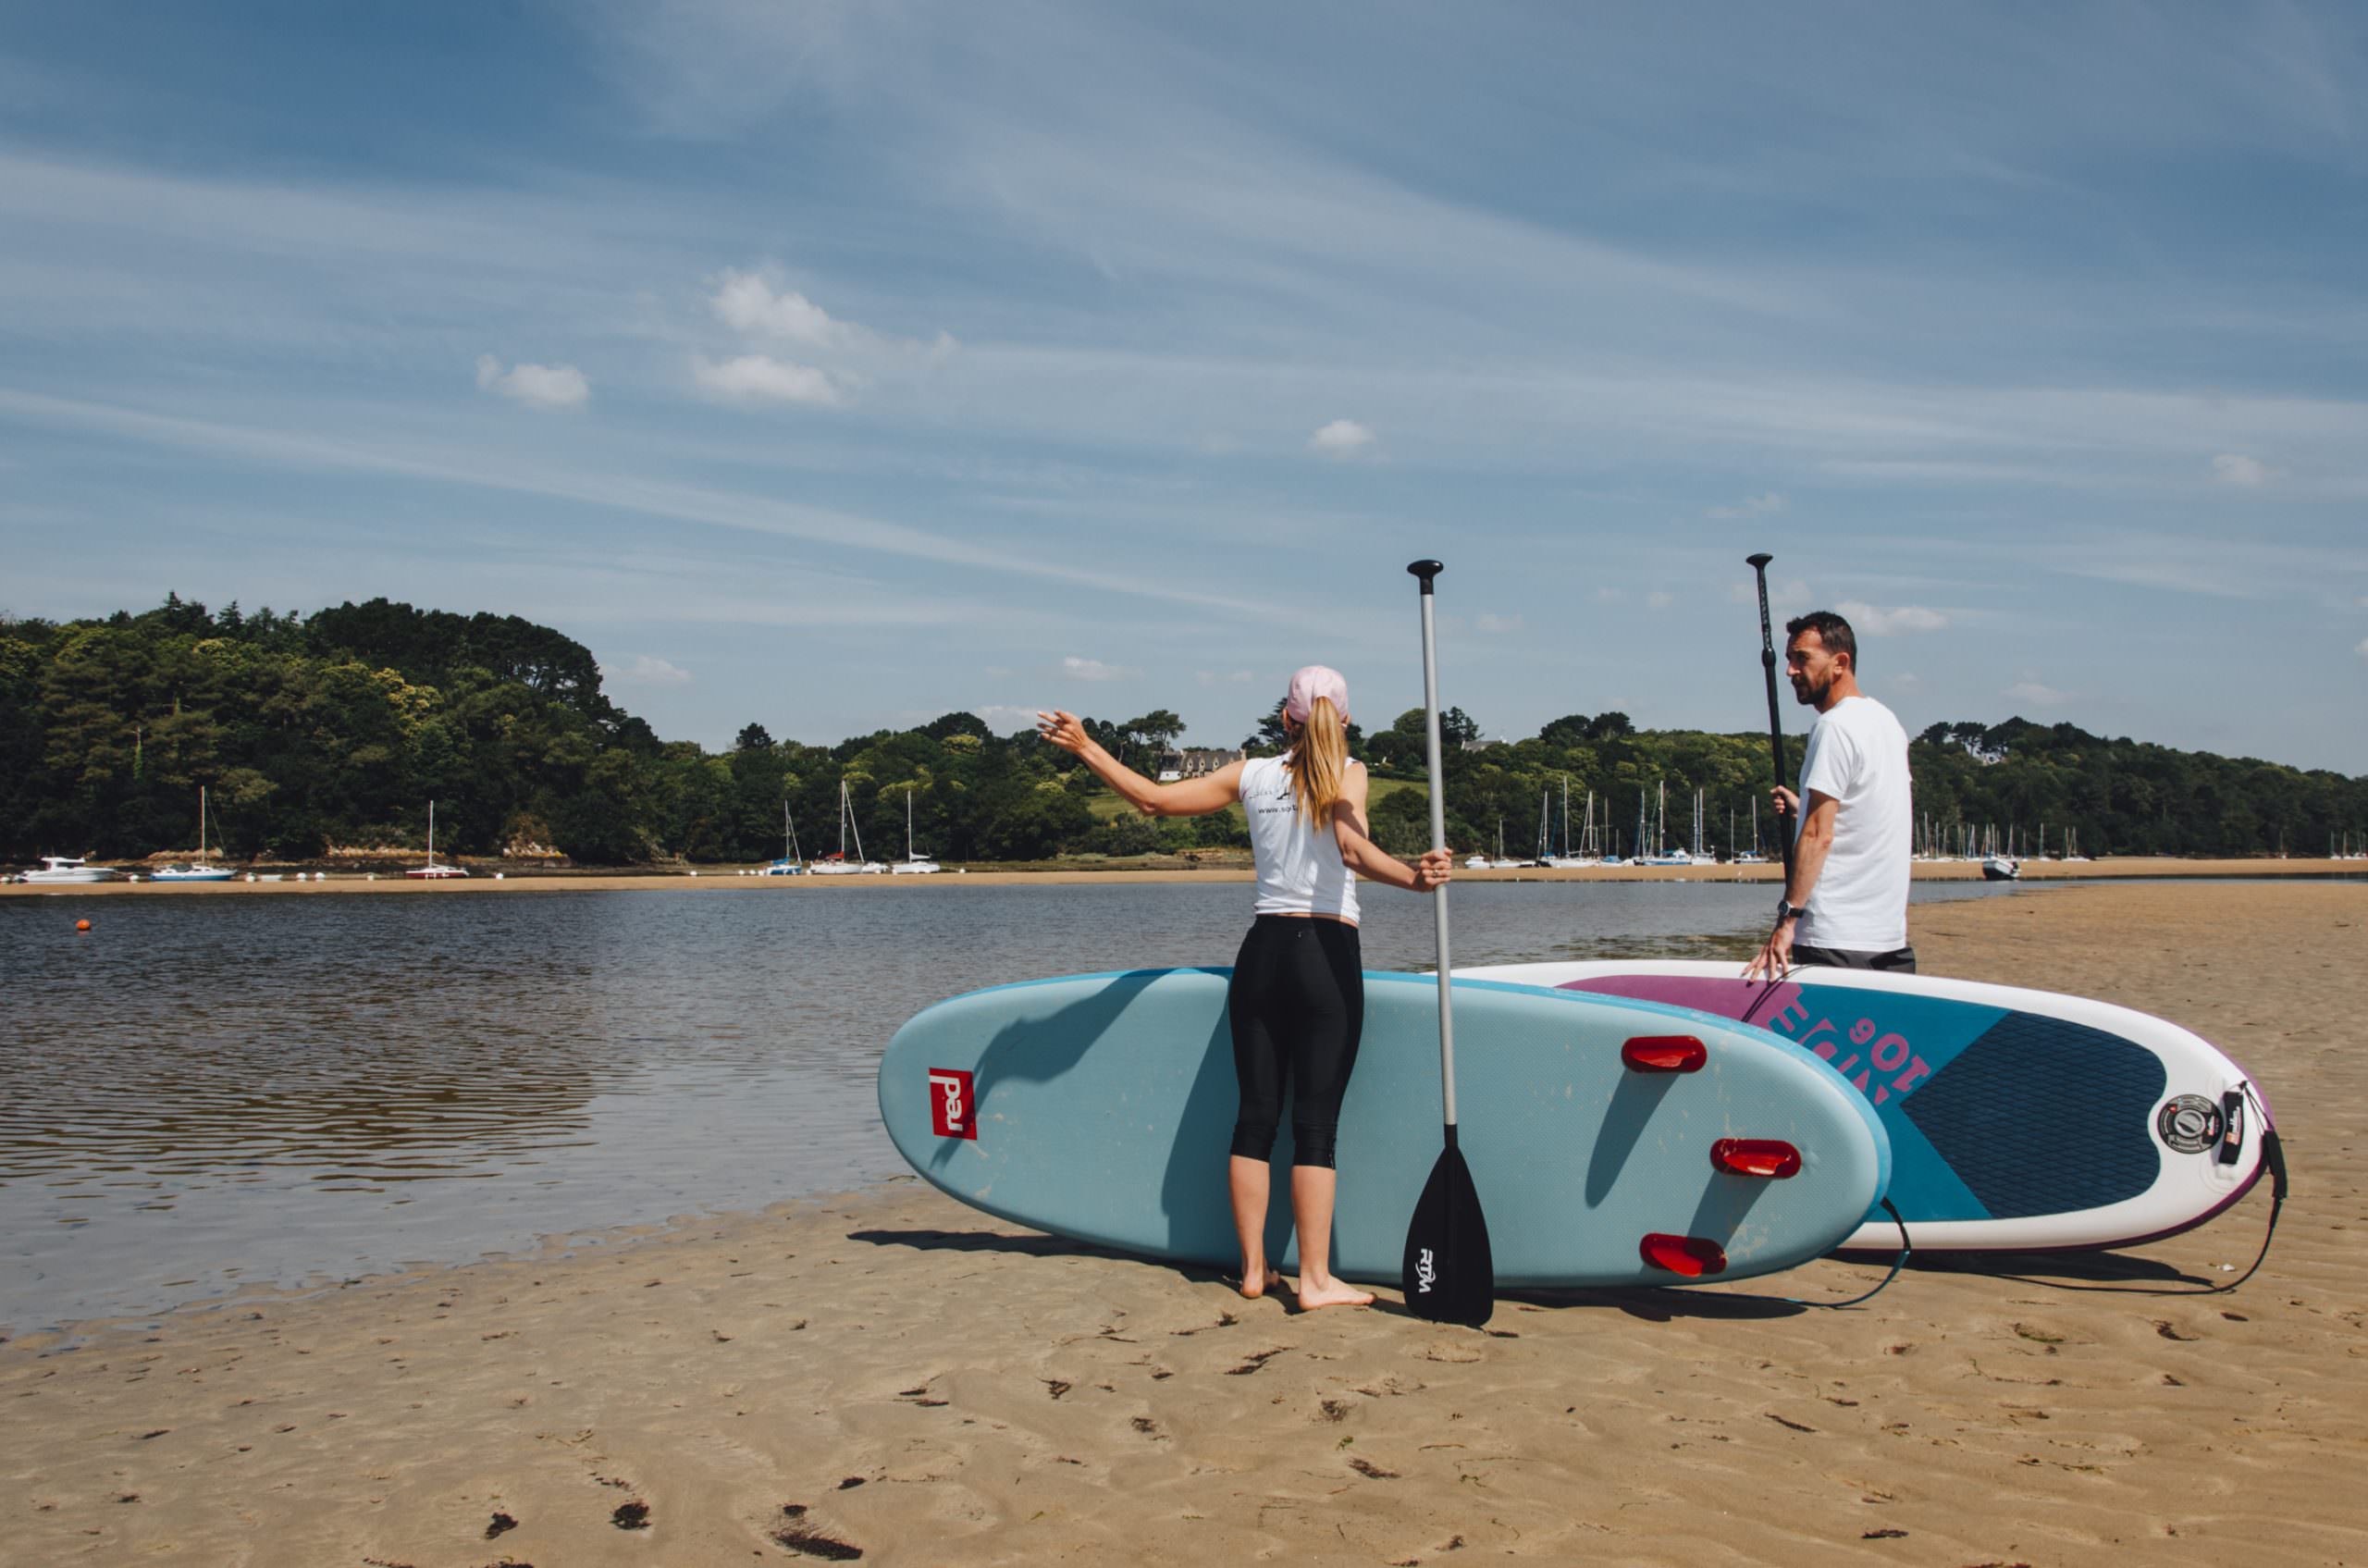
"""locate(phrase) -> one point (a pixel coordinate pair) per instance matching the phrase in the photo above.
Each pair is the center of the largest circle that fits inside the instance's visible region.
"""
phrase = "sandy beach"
(891, 1373)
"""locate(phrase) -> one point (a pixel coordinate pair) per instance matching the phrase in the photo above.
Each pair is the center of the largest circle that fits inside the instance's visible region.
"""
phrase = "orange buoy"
(82, 925)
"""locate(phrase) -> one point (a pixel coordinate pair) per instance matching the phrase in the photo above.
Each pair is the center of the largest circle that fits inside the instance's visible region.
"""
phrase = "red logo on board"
(950, 1103)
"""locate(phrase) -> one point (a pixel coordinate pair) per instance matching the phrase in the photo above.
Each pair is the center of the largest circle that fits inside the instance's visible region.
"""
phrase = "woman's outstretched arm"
(1187, 798)
(1367, 858)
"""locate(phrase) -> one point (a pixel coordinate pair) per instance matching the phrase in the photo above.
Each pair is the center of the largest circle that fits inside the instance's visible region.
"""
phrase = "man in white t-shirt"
(1845, 903)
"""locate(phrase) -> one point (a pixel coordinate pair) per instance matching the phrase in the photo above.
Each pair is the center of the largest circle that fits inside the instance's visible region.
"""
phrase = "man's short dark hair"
(1831, 629)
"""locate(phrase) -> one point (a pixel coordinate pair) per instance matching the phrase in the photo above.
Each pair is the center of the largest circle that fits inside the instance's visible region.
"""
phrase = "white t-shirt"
(1299, 869)
(1858, 754)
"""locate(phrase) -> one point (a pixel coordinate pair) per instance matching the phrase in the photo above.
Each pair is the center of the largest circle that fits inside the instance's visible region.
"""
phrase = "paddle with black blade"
(1758, 563)
(1448, 1275)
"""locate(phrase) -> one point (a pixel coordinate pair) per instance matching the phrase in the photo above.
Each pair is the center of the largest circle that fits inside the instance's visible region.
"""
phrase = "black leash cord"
(1897, 1263)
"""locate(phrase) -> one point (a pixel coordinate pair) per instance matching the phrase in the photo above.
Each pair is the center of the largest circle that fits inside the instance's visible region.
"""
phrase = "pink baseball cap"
(1314, 680)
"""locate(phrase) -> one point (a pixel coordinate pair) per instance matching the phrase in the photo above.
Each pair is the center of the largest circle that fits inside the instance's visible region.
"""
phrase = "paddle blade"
(1448, 1276)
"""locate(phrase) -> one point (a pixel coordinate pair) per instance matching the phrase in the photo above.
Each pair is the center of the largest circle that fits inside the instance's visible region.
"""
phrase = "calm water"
(204, 1092)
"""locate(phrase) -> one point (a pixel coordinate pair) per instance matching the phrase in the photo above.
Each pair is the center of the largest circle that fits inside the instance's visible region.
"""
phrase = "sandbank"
(904, 1376)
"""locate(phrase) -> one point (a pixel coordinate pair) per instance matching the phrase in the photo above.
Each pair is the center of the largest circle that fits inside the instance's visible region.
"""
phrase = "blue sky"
(834, 367)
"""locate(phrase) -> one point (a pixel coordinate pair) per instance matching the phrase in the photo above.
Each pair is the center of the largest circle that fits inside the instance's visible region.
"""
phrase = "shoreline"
(2135, 868)
(892, 1371)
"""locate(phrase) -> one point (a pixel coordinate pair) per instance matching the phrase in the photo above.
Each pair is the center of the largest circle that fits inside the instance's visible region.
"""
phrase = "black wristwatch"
(1788, 911)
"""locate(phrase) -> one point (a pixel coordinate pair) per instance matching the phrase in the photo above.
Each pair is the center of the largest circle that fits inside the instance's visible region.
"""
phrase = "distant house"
(1195, 763)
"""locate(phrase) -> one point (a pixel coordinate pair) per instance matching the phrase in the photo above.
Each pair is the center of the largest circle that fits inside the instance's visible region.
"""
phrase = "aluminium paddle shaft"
(1425, 571)
(1758, 563)
(1448, 1273)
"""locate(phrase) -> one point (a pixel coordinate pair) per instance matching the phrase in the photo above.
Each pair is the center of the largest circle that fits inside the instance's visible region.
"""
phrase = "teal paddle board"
(1613, 1142)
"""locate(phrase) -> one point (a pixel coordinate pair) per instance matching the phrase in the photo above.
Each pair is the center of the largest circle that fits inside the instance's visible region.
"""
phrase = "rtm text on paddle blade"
(1449, 1275)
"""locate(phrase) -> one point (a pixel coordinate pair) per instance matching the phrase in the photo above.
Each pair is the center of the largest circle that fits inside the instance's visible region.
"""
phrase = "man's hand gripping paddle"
(1448, 1275)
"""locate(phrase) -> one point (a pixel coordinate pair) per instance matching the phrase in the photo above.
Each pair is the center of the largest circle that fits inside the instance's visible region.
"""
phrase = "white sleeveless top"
(1299, 869)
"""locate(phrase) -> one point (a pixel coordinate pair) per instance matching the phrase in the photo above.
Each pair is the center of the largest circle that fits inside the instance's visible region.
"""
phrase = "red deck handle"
(1664, 1052)
(1756, 1156)
(1692, 1257)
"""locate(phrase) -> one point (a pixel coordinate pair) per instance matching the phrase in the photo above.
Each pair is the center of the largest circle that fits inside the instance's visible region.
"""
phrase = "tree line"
(317, 733)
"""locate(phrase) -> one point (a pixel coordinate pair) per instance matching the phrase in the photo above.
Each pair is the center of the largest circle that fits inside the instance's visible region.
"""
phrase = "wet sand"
(711, 878)
(901, 1374)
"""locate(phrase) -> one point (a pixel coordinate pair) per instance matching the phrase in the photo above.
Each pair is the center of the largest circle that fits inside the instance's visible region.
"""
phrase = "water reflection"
(208, 1091)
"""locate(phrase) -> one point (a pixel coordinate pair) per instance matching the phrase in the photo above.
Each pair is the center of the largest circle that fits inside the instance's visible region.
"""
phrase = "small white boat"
(838, 865)
(201, 872)
(791, 863)
(1998, 867)
(68, 868)
(914, 864)
(1477, 863)
(432, 871)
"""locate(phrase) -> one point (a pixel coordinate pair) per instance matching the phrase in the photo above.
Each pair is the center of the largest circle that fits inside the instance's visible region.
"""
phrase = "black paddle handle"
(1758, 563)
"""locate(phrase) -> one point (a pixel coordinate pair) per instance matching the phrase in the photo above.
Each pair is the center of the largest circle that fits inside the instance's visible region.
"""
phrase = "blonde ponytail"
(1318, 762)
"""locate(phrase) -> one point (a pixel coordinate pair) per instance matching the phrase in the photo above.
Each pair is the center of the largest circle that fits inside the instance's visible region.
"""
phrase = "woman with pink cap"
(1297, 1000)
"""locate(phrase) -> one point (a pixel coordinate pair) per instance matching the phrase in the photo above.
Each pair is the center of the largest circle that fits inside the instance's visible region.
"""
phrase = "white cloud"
(1657, 599)
(754, 304)
(2233, 468)
(747, 301)
(1906, 680)
(761, 378)
(1608, 596)
(647, 671)
(1750, 506)
(536, 385)
(2036, 694)
(1868, 621)
(2362, 648)
(1079, 669)
(1342, 438)
(1491, 622)
(1230, 678)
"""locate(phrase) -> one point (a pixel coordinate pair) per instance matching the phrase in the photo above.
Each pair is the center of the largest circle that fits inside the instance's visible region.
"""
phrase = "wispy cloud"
(643, 670)
(1750, 506)
(2037, 692)
(2234, 468)
(1342, 438)
(1229, 678)
(1659, 600)
(1078, 669)
(1874, 623)
(622, 489)
(536, 385)
(2362, 648)
(1489, 621)
(762, 379)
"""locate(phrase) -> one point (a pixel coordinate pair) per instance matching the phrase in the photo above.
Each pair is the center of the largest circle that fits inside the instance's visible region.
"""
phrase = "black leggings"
(1298, 1003)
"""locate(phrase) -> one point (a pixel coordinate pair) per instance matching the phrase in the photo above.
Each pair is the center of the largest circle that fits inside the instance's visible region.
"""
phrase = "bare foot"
(1330, 1292)
(1253, 1286)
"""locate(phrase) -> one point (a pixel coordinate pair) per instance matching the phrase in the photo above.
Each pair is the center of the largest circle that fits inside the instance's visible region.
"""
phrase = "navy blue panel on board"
(2085, 1142)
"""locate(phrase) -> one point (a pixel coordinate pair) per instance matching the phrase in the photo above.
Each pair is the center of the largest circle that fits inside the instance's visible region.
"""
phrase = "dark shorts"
(1899, 961)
